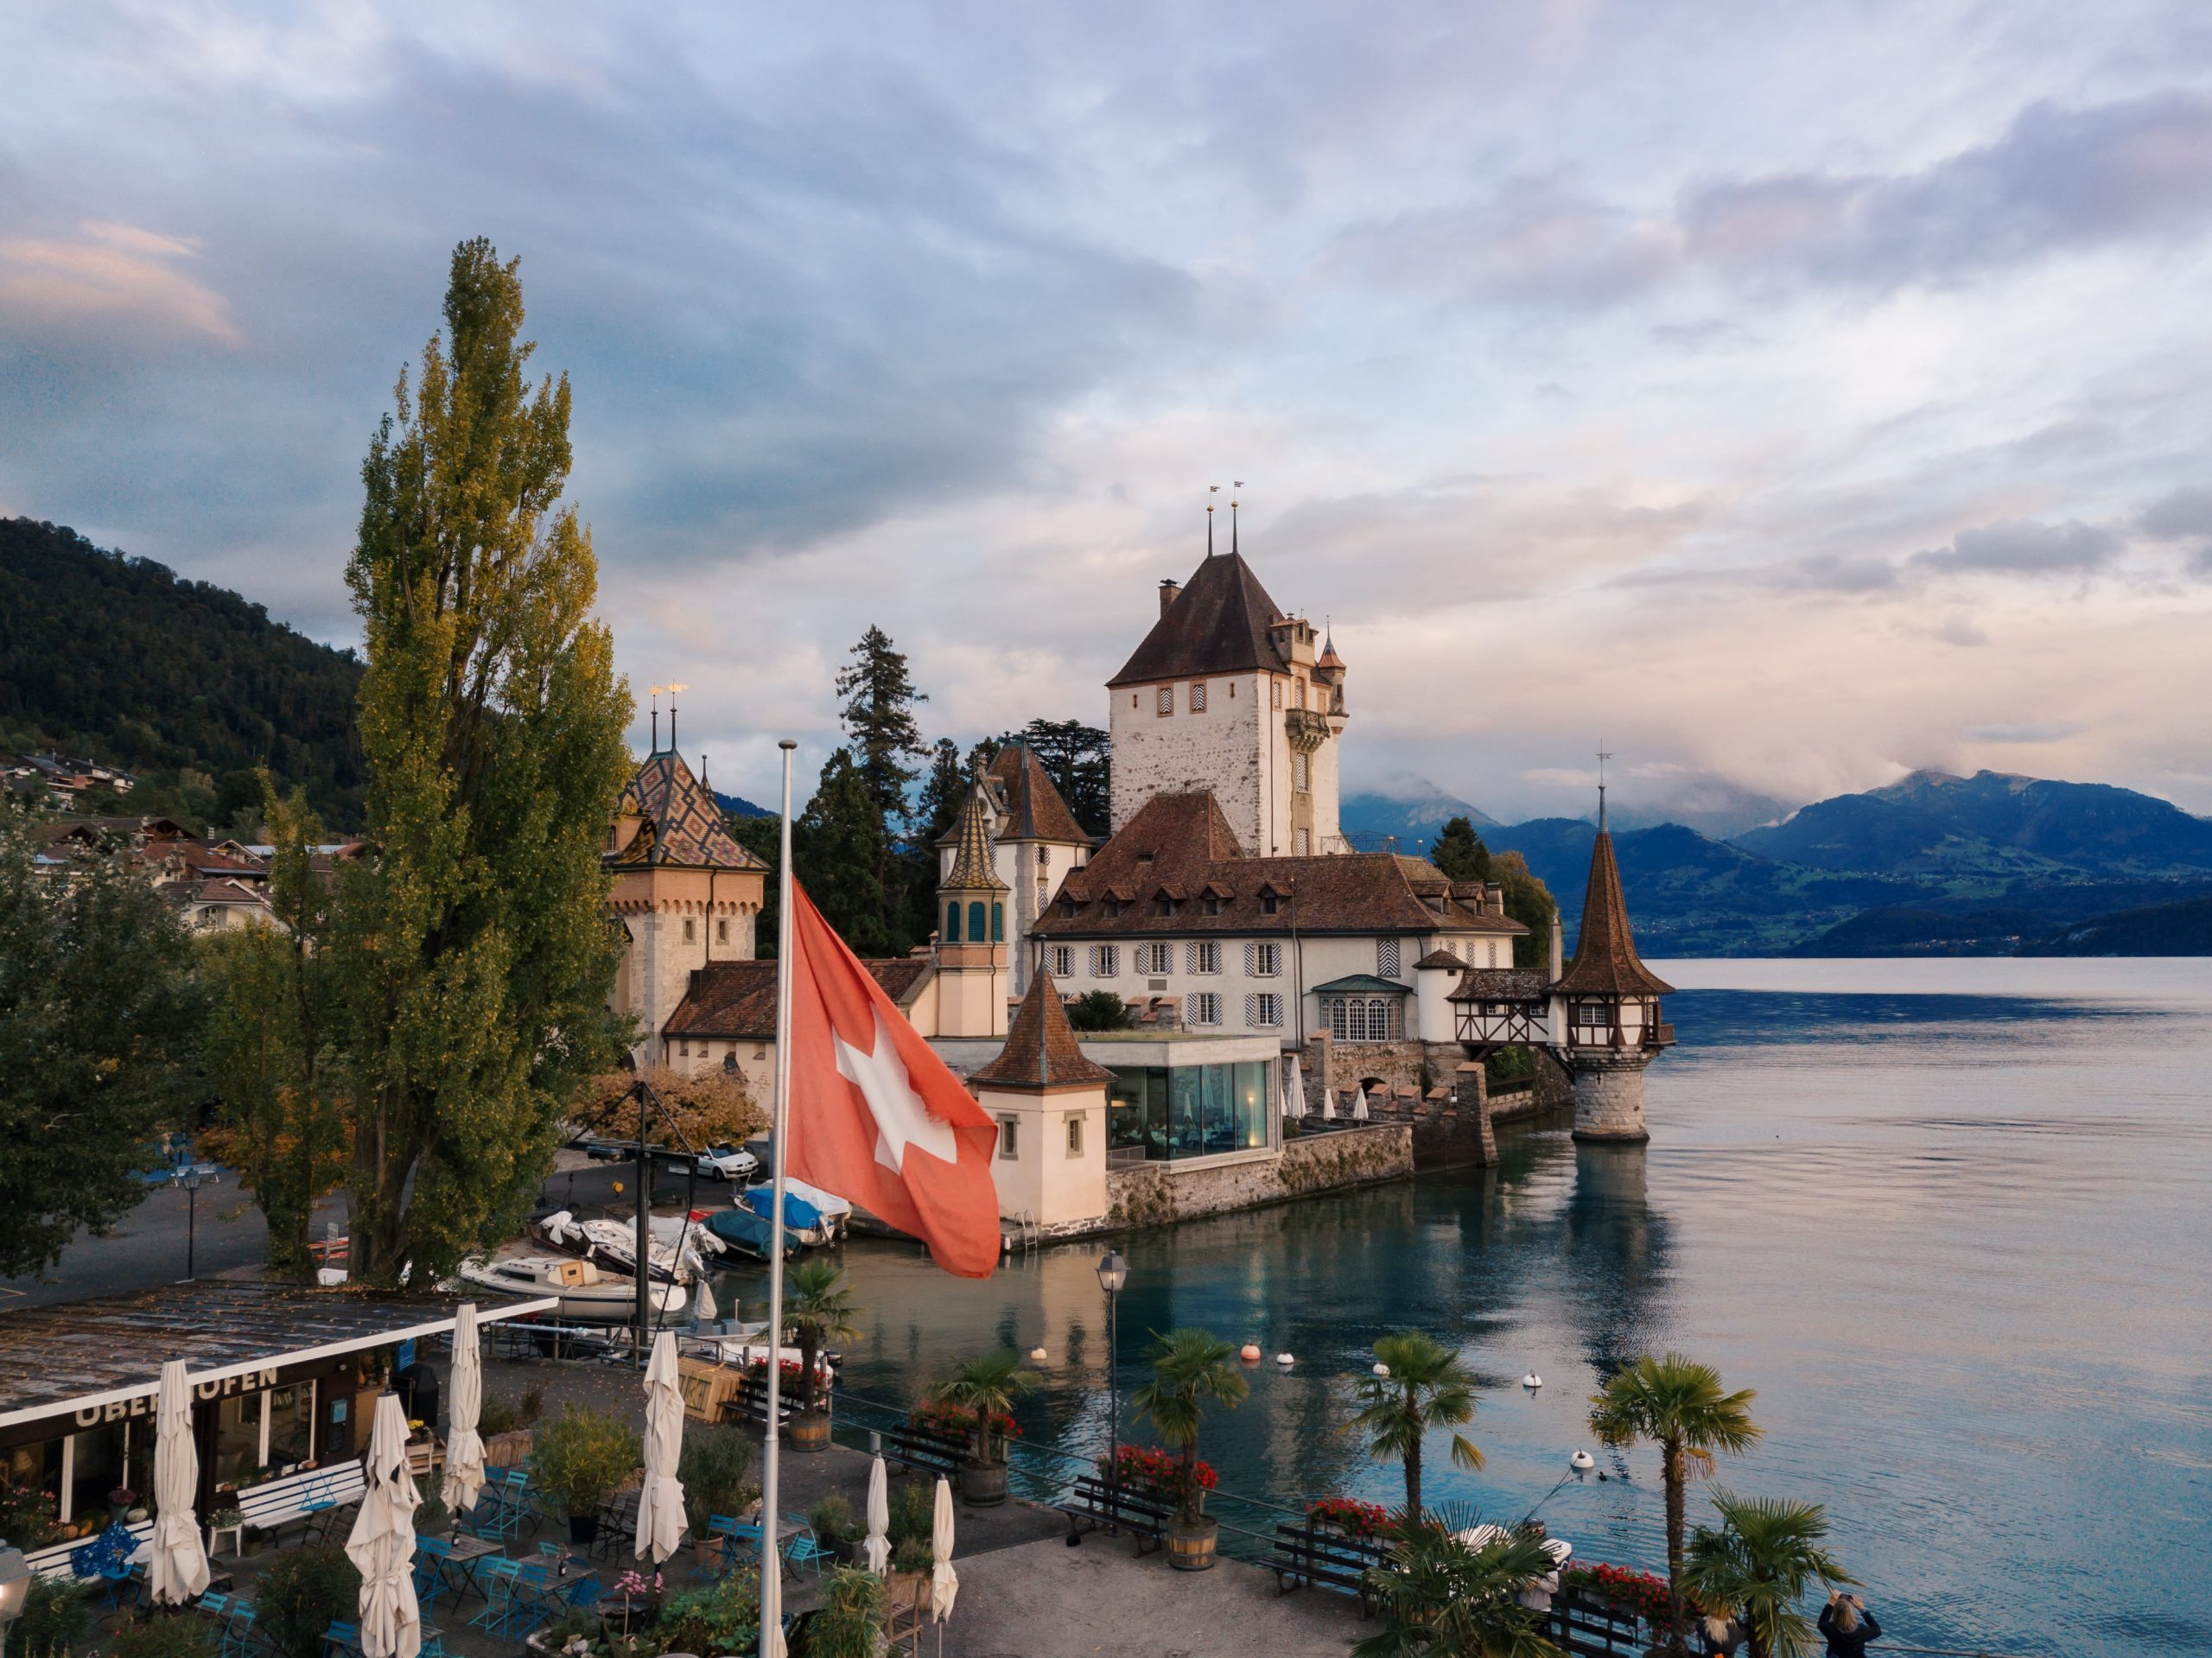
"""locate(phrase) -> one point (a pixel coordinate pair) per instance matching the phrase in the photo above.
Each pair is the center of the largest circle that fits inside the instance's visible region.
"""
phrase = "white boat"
(587, 1295)
(834, 1214)
(678, 1255)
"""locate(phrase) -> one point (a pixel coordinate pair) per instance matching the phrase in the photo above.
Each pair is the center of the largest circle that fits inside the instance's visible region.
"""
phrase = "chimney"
(1168, 593)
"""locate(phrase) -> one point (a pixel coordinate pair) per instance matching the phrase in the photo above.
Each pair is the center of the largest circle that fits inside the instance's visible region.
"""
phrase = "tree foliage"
(879, 717)
(1191, 1368)
(1529, 901)
(1766, 1553)
(1099, 1010)
(710, 1108)
(1079, 759)
(271, 1045)
(1460, 853)
(473, 951)
(839, 849)
(1442, 1599)
(1426, 1387)
(98, 1011)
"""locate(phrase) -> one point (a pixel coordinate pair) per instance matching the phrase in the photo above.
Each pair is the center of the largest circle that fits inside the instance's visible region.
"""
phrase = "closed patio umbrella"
(704, 1310)
(1328, 1105)
(382, 1543)
(178, 1570)
(464, 1446)
(945, 1582)
(878, 1518)
(660, 1502)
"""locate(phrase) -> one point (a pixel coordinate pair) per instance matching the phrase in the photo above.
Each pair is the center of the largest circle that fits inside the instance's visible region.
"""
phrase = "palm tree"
(986, 1389)
(1759, 1563)
(1678, 1405)
(1427, 1388)
(1441, 1598)
(818, 1309)
(1189, 1368)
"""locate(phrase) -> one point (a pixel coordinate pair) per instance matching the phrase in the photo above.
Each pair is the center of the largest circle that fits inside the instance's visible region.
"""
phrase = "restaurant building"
(284, 1378)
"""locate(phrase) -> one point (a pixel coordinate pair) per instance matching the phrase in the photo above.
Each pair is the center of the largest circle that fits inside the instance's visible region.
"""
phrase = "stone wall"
(1609, 1098)
(1153, 1194)
(1340, 1065)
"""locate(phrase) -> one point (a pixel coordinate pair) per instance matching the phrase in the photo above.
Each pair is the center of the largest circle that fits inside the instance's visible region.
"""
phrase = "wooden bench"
(1592, 1629)
(925, 1449)
(53, 1561)
(312, 1495)
(1328, 1559)
(1094, 1503)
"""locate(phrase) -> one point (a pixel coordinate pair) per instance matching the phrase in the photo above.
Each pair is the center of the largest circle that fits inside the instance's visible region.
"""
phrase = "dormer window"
(1163, 906)
(1210, 904)
(1113, 907)
(1269, 899)
(1067, 909)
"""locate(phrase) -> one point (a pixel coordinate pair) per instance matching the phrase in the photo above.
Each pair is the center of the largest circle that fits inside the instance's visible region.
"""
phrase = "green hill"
(187, 686)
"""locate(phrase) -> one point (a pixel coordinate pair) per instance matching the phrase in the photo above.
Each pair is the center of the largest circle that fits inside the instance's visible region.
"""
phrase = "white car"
(719, 1163)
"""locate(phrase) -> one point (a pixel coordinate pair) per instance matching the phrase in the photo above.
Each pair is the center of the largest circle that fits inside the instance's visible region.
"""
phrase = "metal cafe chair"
(238, 1638)
(502, 1599)
(732, 1538)
(342, 1641)
(431, 1554)
(805, 1549)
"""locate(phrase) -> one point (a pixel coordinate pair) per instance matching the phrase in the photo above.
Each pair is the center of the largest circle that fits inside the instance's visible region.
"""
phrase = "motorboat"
(678, 1255)
(587, 1295)
(812, 1215)
(739, 1229)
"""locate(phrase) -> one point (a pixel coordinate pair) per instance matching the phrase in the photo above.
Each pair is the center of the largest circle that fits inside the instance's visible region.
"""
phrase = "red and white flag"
(874, 1117)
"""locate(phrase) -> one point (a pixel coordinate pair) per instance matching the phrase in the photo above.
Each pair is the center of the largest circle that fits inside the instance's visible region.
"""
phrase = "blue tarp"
(798, 1214)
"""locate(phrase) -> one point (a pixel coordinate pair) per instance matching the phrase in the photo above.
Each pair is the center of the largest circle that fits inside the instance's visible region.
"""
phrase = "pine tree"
(838, 847)
(1460, 853)
(764, 838)
(879, 716)
(1079, 760)
(473, 950)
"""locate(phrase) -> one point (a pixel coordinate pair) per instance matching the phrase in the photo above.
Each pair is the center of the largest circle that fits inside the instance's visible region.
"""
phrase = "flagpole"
(779, 1134)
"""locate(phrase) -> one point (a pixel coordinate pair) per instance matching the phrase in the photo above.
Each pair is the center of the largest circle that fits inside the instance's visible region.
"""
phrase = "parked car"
(717, 1163)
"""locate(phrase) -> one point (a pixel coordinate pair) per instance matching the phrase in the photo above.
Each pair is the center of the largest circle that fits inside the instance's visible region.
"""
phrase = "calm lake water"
(1949, 1218)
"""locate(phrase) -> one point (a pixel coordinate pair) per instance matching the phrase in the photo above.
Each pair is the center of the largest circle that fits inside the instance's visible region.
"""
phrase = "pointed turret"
(971, 949)
(1606, 962)
(1050, 1104)
(1040, 1050)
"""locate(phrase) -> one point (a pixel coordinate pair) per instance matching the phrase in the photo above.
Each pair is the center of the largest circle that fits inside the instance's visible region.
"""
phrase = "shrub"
(580, 1457)
(913, 1514)
(717, 1474)
(722, 1616)
(57, 1618)
(913, 1556)
(833, 1522)
(27, 1515)
(501, 1414)
(849, 1622)
(167, 1634)
(1099, 1010)
(431, 1514)
(300, 1595)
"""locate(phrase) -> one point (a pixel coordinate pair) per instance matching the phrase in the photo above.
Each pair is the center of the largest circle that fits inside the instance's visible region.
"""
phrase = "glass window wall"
(1190, 1110)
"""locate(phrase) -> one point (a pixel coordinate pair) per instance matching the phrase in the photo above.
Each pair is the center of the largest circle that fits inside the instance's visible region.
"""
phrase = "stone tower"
(1604, 1009)
(1228, 695)
(971, 954)
(1035, 842)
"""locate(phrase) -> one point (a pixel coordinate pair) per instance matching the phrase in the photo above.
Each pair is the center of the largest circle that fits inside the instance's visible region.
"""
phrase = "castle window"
(721, 931)
(1263, 1010)
(1301, 693)
(1167, 699)
(1061, 964)
(1300, 779)
(1009, 1139)
(952, 923)
(1043, 857)
(1105, 961)
(690, 929)
(976, 921)
(1198, 697)
(1299, 843)
(998, 923)
(1204, 956)
(1202, 1008)
(1044, 892)
(1263, 960)
(1074, 1133)
(1276, 686)
(1155, 958)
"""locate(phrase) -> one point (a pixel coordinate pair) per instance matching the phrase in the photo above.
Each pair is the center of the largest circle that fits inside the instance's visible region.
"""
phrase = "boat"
(743, 1231)
(587, 1295)
(812, 1215)
(678, 1256)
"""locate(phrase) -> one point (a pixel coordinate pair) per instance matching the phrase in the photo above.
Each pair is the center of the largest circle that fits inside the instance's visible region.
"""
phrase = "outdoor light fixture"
(15, 1588)
(1112, 1272)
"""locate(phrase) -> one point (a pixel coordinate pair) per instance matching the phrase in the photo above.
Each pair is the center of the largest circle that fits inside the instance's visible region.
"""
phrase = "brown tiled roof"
(1040, 1050)
(681, 826)
(738, 998)
(1191, 847)
(1501, 984)
(1218, 624)
(1604, 962)
(971, 869)
(1031, 806)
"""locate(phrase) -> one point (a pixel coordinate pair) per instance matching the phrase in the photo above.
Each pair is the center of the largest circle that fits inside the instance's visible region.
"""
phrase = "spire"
(1233, 552)
(1606, 962)
(1212, 489)
(1041, 1050)
(1601, 758)
(704, 784)
(972, 860)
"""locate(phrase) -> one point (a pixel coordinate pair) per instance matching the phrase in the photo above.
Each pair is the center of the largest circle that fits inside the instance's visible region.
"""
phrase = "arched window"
(976, 934)
(952, 923)
(998, 923)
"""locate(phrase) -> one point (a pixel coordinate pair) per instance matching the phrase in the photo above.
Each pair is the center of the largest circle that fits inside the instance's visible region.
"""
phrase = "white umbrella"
(1328, 1105)
(382, 1543)
(660, 1502)
(464, 1446)
(1359, 1110)
(178, 1570)
(702, 1305)
(945, 1582)
(878, 1518)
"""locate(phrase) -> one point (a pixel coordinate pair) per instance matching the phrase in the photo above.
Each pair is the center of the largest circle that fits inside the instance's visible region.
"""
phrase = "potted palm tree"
(818, 1309)
(1437, 1596)
(1418, 1384)
(1189, 1368)
(983, 1391)
(1678, 1405)
(578, 1461)
(1759, 1565)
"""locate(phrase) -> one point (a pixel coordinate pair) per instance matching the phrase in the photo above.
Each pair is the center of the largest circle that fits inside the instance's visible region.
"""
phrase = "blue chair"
(318, 1507)
(238, 1640)
(731, 1536)
(342, 1641)
(805, 1550)
(502, 1598)
(431, 1554)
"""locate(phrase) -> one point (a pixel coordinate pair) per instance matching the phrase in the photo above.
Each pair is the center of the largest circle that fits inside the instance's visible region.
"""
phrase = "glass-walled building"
(1175, 1098)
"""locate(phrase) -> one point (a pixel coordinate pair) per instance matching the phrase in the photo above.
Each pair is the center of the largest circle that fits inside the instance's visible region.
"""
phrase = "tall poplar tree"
(472, 949)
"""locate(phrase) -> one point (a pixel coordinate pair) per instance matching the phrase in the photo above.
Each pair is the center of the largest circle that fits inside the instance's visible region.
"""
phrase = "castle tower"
(1228, 695)
(1035, 842)
(1605, 1009)
(971, 954)
(1050, 1104)
(684, 893)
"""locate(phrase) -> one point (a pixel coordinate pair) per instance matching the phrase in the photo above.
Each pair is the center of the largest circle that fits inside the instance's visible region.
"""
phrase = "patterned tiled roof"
(681, 825)
(1040, 1049)
(1606, 961)
(971, 869)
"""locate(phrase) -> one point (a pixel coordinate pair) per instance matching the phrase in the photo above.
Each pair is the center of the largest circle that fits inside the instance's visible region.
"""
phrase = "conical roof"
(1034, 809)
(1040, 1050)
(971, 860)
(1604, 962)
(683, 824)
(1218, 624)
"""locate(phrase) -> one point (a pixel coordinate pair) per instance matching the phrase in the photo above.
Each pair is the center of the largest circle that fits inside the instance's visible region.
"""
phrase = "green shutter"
(952, 923)
(998, 923)
(976, 921)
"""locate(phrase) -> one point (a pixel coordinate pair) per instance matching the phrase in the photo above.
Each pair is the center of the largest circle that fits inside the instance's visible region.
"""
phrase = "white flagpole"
(778, 1133)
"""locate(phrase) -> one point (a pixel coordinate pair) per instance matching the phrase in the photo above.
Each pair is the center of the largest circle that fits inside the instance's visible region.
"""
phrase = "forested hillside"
(120, 660)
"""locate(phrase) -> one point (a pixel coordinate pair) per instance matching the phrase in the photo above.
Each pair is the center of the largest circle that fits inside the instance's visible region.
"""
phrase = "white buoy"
(1036, 1354)
(1285, 1360)
(1582, 1462)
(1532, 1382)
(1249, 1352)
(1382, 1369)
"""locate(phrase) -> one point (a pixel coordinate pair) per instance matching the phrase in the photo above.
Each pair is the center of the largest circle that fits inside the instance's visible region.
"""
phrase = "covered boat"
(815, 1216)
(678, 1256)
(743, 1230)
(587, 1295)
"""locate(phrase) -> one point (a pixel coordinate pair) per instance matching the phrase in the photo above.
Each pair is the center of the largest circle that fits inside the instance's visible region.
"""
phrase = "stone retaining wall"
(1153, 1194)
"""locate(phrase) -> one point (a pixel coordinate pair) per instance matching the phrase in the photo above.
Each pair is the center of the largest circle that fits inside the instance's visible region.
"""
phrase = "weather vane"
(1604, 754)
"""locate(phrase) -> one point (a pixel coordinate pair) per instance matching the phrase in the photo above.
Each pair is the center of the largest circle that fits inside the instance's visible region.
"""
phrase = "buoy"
(1382, 1369)
(1532, 1382)
(1036, 1354)
(1249, 1352)
(1582, 1461)
(1285, 1360)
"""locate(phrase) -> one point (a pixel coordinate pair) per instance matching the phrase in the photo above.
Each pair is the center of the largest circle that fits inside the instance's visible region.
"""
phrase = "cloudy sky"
(1791, 395)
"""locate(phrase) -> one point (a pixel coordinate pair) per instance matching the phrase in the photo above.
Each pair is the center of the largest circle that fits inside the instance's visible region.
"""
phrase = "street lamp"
(15, 1588)
(192, 1176)
(1113, 1273)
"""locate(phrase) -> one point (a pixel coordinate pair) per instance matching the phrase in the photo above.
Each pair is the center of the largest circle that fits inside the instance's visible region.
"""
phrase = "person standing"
(1724, 1635)
(1848, 1625)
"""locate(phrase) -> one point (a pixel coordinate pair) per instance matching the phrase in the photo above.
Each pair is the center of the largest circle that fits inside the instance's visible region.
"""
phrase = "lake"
(1949, 1218)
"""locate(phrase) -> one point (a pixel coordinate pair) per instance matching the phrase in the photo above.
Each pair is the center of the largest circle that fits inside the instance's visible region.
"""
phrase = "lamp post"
(15, 1588)
(1113, 1273)
(192, 1176)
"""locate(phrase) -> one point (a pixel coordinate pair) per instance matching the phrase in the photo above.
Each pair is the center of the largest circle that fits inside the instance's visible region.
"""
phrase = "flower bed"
(956, 1423)
(1160, 1472)
(1641, 1592)
(1349, 1516)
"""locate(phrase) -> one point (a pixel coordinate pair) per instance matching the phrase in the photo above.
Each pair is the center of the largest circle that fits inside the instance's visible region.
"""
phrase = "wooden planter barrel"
(982, 1484)
(807, 1429)
(1190, 1548)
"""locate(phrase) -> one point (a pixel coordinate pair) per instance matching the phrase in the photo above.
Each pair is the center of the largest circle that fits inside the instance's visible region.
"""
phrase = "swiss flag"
(874, 1115)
